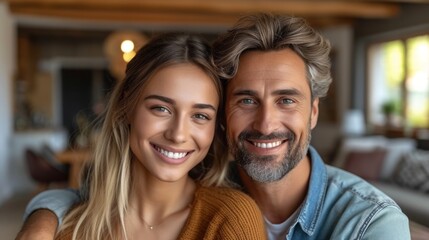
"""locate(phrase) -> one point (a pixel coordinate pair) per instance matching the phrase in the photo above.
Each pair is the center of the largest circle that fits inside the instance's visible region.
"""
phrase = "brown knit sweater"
(218, 213)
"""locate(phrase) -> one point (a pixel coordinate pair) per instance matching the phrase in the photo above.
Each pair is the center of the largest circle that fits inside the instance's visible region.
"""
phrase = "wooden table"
(76, 158)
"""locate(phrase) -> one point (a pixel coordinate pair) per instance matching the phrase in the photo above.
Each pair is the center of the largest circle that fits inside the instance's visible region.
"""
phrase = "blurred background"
(60, 58)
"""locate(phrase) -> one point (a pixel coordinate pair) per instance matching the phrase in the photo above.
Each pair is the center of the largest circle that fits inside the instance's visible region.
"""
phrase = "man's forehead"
(263, 74)
(280, 64)
(275, 58)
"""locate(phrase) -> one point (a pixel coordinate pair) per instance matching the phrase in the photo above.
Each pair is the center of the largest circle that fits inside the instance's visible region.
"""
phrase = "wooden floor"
(11, 212)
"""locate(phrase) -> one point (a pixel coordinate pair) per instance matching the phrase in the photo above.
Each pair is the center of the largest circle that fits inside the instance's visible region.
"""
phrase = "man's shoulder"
(348, 185)
(355, 209)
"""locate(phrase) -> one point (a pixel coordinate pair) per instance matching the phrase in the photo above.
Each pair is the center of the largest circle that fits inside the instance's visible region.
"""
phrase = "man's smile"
(266, 144)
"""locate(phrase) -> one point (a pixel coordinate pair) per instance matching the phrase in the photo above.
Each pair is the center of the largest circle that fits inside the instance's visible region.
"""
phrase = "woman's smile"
(176, 156)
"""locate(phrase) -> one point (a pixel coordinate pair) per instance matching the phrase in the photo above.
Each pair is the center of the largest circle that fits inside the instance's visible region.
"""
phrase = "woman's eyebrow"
(204, 106)
(171, 101)
(161, 98)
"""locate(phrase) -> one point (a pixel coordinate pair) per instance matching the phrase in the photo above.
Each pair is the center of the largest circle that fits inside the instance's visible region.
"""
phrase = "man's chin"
(264, 176)
(264, 170)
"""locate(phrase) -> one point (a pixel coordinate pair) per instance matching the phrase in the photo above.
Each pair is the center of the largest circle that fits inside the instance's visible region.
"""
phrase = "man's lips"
(266, 144)
(264, 147)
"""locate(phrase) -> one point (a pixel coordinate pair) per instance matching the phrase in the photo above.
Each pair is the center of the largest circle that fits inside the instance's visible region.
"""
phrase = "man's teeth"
(174, 155)
(267, 145)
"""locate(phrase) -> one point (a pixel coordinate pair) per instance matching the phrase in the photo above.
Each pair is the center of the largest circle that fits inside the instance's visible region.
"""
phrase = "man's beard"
(265, 169)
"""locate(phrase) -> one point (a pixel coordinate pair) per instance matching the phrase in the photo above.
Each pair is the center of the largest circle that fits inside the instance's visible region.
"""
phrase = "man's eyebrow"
(171, 101)
(288, 92)
(245, 93)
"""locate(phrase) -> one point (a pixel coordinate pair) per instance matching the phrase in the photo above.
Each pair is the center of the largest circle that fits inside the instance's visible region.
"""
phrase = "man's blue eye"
(286, 101)
(247, 101)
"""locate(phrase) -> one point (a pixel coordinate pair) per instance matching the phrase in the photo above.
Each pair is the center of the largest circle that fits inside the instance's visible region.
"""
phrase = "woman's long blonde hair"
(101, 214)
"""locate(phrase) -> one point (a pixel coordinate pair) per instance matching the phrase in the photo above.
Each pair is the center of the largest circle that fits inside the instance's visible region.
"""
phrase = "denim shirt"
(339, 205)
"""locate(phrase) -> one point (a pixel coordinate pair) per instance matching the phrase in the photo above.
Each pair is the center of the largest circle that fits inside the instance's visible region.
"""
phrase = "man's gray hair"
(267, 32)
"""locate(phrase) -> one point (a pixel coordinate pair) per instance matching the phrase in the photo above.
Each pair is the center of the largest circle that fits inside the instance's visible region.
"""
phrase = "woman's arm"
(45, 212)
(41, 224)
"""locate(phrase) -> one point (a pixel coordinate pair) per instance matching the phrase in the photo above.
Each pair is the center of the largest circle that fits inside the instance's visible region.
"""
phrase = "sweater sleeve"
(243, 220)
(222, 213)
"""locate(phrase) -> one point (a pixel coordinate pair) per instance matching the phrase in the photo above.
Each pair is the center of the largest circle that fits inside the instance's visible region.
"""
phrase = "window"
(398, 87)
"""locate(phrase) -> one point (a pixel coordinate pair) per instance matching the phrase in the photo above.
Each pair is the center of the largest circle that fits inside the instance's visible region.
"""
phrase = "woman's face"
(173, 125)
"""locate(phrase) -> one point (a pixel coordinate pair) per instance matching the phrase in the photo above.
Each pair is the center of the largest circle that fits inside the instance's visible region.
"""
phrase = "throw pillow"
(366, 164)
(396, 148)
(413, 171)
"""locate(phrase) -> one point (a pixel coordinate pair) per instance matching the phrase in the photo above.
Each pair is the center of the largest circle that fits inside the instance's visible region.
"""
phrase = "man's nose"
(266, 120)
(177, 130)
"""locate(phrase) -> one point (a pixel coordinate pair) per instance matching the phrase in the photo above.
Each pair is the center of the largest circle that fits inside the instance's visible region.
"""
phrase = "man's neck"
(279, 200)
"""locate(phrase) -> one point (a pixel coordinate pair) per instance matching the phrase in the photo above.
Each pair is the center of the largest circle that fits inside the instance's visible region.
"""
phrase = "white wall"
(325, 135)
(7, 68)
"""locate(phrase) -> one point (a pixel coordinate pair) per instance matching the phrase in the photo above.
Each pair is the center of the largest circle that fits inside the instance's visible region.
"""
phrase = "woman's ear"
(129, 117)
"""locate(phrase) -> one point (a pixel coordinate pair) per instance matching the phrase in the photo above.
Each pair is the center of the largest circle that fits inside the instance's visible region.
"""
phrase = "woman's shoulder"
(224, 213)
(223, 196)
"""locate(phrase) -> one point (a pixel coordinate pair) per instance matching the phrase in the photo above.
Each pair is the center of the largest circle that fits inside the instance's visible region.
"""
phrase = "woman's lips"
(172, 156)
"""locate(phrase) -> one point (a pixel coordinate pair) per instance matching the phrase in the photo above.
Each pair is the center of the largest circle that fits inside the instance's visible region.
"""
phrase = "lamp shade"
(353, 123)
(119, 48)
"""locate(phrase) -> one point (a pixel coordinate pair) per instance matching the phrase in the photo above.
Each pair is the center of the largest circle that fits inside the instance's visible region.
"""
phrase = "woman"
(162, 121)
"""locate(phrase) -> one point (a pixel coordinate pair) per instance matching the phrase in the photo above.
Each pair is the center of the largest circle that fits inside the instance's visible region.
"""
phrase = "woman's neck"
(154, 200)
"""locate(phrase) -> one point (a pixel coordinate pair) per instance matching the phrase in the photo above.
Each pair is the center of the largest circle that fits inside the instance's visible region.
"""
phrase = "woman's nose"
(177, 130)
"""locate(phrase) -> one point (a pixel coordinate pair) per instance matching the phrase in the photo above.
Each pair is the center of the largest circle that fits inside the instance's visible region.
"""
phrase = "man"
(276, 68)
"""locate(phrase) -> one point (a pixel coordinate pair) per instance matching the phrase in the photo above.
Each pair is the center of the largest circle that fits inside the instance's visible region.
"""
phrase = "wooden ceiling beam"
(233, 7)
(130, 16)
(221, 13)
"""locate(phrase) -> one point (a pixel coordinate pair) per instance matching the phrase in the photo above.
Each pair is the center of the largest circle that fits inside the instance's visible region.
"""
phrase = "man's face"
(270, 113)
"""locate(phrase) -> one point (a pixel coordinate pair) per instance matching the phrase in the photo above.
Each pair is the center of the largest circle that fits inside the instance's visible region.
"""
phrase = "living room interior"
(59, 59)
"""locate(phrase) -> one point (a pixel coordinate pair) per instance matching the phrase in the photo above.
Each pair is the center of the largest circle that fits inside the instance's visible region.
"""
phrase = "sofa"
(395, 166)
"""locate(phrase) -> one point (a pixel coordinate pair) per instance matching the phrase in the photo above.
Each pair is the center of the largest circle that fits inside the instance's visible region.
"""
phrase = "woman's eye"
(160, 109)
(201, 116)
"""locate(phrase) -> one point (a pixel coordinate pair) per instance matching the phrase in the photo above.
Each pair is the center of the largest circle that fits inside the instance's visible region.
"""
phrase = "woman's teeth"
(174, 155)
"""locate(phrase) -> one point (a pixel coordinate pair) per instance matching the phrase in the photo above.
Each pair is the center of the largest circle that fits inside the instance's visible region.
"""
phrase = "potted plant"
(391, 111)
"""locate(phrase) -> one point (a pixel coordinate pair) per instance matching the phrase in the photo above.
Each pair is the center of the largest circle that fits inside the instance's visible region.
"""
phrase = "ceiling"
(195, 14)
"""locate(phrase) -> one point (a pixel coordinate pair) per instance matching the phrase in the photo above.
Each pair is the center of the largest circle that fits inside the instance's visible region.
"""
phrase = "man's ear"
(314, 112)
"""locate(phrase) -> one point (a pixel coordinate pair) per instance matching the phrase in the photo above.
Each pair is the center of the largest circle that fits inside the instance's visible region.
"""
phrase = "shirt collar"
(313, 203)
(311, 208)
